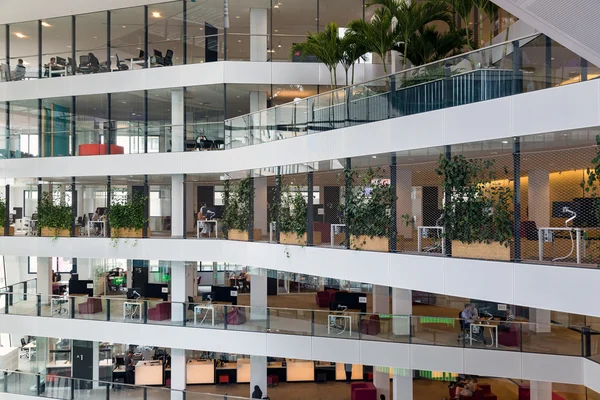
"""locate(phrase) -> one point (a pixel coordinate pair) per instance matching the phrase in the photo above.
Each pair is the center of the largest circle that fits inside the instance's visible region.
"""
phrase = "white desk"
(332, 320)
(56, 71)
(32, 227)
(211, 221)
(483, 326)
(136, 61)
(22, 224)
(198, 310)
(58, 305)
(148, 373)
(333, 229)
(9, 358)
(28, 348)
(91, 226)
(132, 310)
(578, 241)
(423, 231)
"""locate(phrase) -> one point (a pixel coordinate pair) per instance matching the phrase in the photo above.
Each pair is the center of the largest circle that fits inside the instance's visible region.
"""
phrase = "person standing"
(129, 368)
(348, 370)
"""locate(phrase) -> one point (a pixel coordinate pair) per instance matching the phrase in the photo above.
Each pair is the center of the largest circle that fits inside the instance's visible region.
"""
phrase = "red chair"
(236, 316)
(90, 306)
(161, 312)
(510, 338)
(363, 391)
(325, 230)
(370, 326)
(324, 298)
(273, 380)
(223, 379)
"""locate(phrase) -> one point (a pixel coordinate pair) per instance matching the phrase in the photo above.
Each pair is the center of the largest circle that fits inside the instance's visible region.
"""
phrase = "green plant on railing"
(368, 205)
(54, 216)
(479, 209)
(236, 204)
(127, 214)
(591, 187)
(2, 212)
(293, 213)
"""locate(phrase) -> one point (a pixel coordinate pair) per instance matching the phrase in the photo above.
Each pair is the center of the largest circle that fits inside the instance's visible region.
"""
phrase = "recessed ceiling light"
(239, 40)
(201, 29)
(47, 25)
(279, 46)
(238, 97)
(20, 35)
(124, 26)
(156, 14)
(132, 113)
(374, 156)
(505, 142)
(237, 17)
(95, 37)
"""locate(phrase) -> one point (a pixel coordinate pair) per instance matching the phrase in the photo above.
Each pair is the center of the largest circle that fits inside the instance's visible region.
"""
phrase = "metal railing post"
(108, 309)
(39, 305)
(145, 311)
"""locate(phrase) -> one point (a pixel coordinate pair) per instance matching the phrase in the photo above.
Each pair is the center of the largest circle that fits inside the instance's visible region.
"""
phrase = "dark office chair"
(168, 60)
(191, 306)
(84, 65)
(121, 66)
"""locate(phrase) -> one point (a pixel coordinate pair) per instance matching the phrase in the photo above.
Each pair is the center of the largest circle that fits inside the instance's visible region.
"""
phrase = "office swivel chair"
(121, 66)
(191, 306)
(168, 60)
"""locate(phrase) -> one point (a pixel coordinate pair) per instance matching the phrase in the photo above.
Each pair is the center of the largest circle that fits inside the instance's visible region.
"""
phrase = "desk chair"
(191, 306)
(168, 60)
(121, 66)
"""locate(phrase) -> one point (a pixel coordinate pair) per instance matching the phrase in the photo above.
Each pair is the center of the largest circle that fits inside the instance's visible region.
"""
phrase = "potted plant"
(478, 215)
(237, 215)
(126, 217)
(367, 209)
(55, 219)
(291, 216)
(11, 230)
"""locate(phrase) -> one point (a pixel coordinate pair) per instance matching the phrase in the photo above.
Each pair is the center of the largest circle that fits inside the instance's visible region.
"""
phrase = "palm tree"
(353, 49)
(377, 35)
(430, 45)
(411, 17)
(325, 46)
(463, 9)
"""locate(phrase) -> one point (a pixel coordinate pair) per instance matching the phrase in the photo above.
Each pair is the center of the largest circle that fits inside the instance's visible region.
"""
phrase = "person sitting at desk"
(508, 319)
(469, 314)
(202, 142)
(203, 215)
(52, 65)
(97, 218)
(20, 70)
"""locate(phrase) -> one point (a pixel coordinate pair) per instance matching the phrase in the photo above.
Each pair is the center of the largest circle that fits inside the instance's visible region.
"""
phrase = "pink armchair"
(363, 391)
(90, 306)
(511, 338)
(161, 312)
(236, 316)
(324, 298)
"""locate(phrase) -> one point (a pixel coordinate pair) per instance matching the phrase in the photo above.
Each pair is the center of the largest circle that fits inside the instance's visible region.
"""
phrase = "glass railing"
(52, 386)
(490, 334)
(135, 139)
(480, 75)
(18, 292)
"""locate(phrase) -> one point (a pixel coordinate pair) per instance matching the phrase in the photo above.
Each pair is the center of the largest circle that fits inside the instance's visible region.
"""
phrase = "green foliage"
(430, 45)
(128, 213)
(236, 202)
(2, 213)
(368, 214)
(591, 189)
(293, 212)
(353, 49)
(479, 209)
(53, 216)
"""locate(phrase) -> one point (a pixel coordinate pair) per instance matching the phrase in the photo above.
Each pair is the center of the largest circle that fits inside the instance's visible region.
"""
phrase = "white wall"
(495, 363)
(563, 108)
(572, 290)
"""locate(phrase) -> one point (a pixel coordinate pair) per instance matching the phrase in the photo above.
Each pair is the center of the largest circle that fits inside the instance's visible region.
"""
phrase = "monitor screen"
(158, 53)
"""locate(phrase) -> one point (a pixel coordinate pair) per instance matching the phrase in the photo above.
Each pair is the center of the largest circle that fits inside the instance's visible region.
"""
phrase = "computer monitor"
(142, 54)
(84, 60)
(61, 61)
(157, 53)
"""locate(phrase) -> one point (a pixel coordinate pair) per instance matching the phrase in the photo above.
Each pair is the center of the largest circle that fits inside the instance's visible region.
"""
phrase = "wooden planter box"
(291, 238)
(371, 244)
(242, 236)
(128, 233)
(483, 251)
(51, 232)
(11, 231)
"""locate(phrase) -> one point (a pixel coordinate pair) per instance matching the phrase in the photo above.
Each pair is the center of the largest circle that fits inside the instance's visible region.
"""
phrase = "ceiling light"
(373, 156)
(132, 113)
(20, 35)
(124, 26)
(47, 25)
(279, 45)
(95, 37)
(276, 5)
(505, 142)
(237, 17)
(239, 40)
(156, 14)
(201, 29)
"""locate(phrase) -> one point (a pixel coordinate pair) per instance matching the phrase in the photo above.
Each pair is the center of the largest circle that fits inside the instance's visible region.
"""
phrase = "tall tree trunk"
(353, 64)
(505, 50)
(346, 70)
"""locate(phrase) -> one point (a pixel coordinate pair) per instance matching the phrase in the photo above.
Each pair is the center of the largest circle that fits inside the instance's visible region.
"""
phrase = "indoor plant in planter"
(3, 220)
(54, 219)
(237, 215)
(478, 215)
(126, 217)
(367, 210)
(291, 217)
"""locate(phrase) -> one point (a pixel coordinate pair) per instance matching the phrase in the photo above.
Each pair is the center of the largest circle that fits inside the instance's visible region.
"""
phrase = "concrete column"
(402, 385)
(258, 294)
(381, 305)
(190, 195)
(538, 198)
(260, 205)
(401, 307)
(178, 373)
(258, 101)
(539, 320)
(540, 390)
(258, 374)
(182, 286)
(404, 201)
(44, 278)
(95, 363)
(177, 117)
(177, 210)
(85, 270)
(258, 34)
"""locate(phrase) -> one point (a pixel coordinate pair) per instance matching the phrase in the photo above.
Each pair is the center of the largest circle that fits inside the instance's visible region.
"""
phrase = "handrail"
(444, 61)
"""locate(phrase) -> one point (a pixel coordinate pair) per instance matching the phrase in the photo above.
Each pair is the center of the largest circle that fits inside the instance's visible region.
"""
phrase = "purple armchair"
(236, 316)
(90, 306)
(363, 391)
(161, 312)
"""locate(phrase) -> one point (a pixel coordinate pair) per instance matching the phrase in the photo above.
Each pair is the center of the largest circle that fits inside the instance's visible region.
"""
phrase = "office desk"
(149, 373)
(243, 370)
(9, 358)
(136, 61)
(200, 371)
(198, 310)
(578, 241)
(483, 326)
(60, 368)
(132, 310)
(208, 221)
(300, 370)
(91, 226)
(333, 321)
(28, 348)
(55, 71)
(423, 232)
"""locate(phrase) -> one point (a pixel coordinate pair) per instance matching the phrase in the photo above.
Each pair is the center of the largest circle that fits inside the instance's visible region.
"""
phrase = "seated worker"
(508, 318)
(462, 390)
(469, 315)
(97, 218)
(20, 70)
(472, 384)
(49, 67)
(204, 214)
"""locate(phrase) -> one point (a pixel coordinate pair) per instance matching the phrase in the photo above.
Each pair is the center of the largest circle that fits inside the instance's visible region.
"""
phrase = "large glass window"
(24, 46)
(127, 38)
(57, 116)
(57, 47)
(205, 40)
(204, 107)
(165, 31)
(128, 113)
(238, 35)
(23, 140)
(90, 39)
(91, 124)
(291, 20)
(339, 11)
(3, 67)
(159, 120)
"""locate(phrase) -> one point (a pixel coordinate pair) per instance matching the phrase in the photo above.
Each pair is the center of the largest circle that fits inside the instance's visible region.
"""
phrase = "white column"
(539, 320)
(177, 210)
(540, 390)
(95, 363)
(258, 34)
(258, 374)
(84, 269)
(258, 294)
(401, 307)
(260, 205)
(44, 278)
(381, 305)
(402, 386)
(177, 113)
(538, 198)
(182, 286)
(178, 373)
(404, 201)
